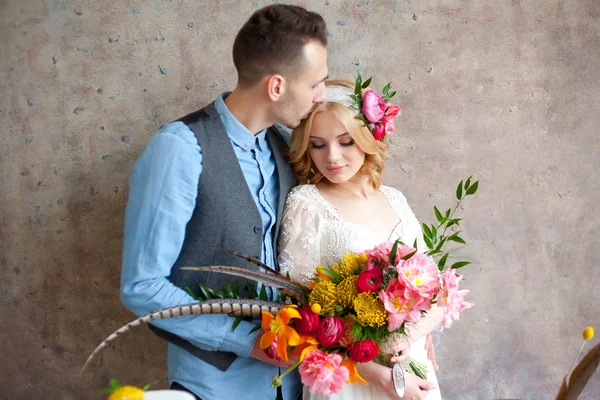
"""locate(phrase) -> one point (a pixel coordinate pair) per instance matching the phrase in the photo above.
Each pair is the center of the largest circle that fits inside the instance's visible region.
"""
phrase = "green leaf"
(457, 239)
(406, 257)
(460, 264)
(433, 234)
(263, 293)
(468, 182)
(448, 213)
(191, 293)
(236, 291)
(428, 242)
(252, 290)
(432, 252)
(437, 213)
(415, 243)
(107, 390)
(237, 322)
(473, 188)
(114, 383)
(426, 230)
(394, 251)
(442, 262)
(386, 89)
(205, 291)
(459, 190)
(228, 291)
(366, 83)
(257, 327)
(454, 221)
(443, 220)
(389, 96)
(358, 83)
(441, 243)
(353, 97)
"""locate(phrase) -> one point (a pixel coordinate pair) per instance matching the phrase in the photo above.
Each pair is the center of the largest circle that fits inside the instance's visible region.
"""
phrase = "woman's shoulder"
(393, 194)
(306, 198)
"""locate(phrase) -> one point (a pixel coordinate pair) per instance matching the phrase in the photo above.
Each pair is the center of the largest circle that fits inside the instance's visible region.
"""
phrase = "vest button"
(257, 229)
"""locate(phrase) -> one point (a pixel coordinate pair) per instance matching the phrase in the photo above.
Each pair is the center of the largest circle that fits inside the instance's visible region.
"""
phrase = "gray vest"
(225, 218)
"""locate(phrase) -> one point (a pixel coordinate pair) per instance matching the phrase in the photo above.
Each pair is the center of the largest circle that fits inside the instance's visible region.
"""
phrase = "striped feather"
(275, 281)
(255, 261)
(244, 308)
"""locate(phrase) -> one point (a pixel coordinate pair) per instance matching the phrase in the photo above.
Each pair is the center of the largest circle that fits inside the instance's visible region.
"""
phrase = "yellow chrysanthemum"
(324, 294)
(127, 393)
(350, 264)
(369, 310)
(347, 291)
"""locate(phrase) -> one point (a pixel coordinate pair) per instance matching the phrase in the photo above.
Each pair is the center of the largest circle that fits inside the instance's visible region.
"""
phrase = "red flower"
(309, 323)
(330, 331)
(363, 351)
(369, 281)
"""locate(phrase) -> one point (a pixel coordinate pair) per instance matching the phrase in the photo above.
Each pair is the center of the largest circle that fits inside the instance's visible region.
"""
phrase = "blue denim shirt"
(162, 198)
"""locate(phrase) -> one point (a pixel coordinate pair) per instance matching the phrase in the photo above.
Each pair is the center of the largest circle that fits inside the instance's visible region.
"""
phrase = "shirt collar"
(238, 133)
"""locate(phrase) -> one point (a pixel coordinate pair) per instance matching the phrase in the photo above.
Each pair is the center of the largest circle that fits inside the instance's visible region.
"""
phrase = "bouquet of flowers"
(350, 311)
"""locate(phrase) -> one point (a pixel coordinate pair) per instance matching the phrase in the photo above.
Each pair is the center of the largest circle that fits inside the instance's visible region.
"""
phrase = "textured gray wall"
(506, 90)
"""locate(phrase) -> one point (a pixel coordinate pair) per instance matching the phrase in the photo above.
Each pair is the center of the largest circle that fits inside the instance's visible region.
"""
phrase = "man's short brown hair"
(272, 41)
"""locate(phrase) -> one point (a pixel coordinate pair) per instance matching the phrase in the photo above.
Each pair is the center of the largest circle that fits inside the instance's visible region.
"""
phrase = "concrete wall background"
(505, 90)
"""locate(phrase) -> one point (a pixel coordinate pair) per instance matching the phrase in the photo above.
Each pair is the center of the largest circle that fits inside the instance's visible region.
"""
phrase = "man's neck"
(248, 108)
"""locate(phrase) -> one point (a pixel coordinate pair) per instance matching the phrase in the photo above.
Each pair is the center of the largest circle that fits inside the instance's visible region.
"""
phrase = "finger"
(431, 356)
(425, 386)
(428, 341)
(399, 359)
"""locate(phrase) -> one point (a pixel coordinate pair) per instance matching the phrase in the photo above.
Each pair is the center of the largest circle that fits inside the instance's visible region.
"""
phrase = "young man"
(216, 180)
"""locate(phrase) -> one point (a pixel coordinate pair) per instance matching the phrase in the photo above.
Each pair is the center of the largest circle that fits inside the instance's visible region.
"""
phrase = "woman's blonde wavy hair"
(375, 151)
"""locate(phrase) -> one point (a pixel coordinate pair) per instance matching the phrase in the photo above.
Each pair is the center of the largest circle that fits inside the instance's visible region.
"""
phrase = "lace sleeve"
(411, 225)
(299, 238)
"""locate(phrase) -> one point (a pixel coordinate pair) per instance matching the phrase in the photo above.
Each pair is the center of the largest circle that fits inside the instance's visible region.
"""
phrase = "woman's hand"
(381, 377)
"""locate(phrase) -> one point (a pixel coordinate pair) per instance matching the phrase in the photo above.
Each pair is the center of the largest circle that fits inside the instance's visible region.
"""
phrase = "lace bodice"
(313, 232)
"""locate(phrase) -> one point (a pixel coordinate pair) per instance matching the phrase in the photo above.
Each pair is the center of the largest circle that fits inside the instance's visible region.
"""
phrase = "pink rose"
(373, 106)
(330, 331)
(363, 351)
(309, 323)
(370, 280)
(323, 373)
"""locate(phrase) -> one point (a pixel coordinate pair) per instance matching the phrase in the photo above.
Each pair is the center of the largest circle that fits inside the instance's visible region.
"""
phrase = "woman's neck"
(358, 186)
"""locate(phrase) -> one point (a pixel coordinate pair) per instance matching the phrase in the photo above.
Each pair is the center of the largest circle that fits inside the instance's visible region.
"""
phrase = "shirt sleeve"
(162, 197)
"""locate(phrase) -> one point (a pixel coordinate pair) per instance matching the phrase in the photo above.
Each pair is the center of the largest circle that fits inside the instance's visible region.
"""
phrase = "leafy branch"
(435, 235)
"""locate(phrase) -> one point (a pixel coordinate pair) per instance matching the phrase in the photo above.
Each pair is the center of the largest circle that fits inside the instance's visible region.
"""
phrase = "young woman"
(343, 207)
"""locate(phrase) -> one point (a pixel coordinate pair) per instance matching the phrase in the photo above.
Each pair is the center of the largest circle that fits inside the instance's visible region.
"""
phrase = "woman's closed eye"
(317, 146)
(349, 143)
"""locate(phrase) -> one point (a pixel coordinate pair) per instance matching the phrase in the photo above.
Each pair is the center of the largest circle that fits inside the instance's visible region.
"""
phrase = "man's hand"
(431, 351)
(260, 355)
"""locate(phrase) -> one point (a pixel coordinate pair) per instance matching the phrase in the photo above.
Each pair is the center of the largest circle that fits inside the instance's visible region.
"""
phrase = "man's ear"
(276, 87)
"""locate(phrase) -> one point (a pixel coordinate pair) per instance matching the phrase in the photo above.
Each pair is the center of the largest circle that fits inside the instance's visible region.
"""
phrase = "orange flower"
(277, 326)
(354, 376)
(308, 344)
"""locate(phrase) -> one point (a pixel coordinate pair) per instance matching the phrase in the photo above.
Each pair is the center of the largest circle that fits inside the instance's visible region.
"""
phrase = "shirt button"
(257, 229)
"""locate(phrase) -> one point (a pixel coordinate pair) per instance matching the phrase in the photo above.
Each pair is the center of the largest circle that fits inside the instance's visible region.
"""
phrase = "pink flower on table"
(373, 106)
(402, 304)
(323, 373)
(451, 298)
(420, 274)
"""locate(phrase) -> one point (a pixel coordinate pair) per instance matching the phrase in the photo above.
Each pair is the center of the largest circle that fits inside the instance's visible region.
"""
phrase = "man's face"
(307, 89)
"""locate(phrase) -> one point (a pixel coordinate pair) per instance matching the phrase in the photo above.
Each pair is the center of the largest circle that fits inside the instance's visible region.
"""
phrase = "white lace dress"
(313, 233)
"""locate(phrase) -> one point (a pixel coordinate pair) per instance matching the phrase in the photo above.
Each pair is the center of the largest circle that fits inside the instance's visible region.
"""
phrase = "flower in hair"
(373, 108)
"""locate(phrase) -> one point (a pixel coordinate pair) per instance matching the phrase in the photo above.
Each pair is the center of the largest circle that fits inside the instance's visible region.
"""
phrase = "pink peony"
(451, 298)
(373, 106)
(392, 111)
(309, 323)
(420, 274)
(363, 351)
(330, 331)
(380, 254)
(369, 280)
(379, 131)
(323, 373)
(402, 304)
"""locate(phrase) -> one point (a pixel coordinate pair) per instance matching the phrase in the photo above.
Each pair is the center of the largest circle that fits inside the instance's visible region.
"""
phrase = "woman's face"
(333, 150)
